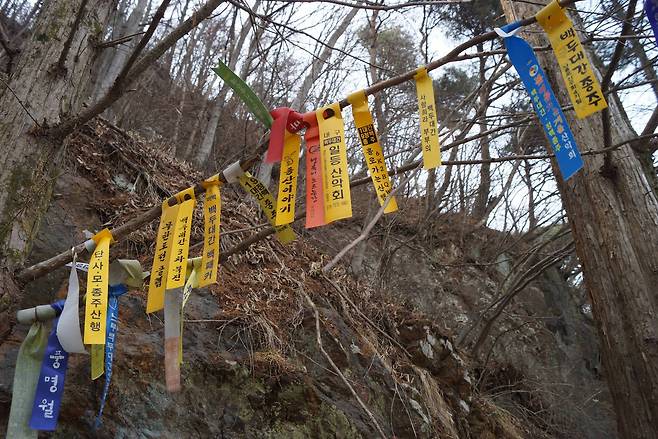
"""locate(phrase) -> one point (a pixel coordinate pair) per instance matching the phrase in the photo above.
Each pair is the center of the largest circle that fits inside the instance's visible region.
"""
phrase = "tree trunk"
(479, 210)
(614, 220)
(28, 162)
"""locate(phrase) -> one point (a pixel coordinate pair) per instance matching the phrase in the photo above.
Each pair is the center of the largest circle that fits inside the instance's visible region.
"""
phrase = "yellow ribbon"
(583, 86)
(97, 287)
(333, 153)
(285, 234)
(429, 133)
(212, 207)
(285, 203)
(372, 149)
(165, 237)
(180, 245)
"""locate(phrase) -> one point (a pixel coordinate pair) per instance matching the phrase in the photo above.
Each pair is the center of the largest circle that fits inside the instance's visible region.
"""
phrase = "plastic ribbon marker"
(651, 9)
(194, 266)
(97, 282)
(112, 327)
(245, 93)
(68, 327)
(372, 149)
(50, 386)
(212, 208)
(314, 192)
(285, 212)
(175, 281)
(582, 83)
(286, 123)
(336, 181)
(429, 134)
(158, 280)
(26, 377)
(265, 200)
(546, 105)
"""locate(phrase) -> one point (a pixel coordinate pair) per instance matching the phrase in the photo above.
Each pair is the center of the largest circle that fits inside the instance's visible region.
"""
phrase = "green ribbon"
(28, 366)
(245, 92)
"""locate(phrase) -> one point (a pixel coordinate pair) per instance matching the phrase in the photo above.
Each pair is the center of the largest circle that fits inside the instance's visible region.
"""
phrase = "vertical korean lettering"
(335, 177)
(265, 200)
(97, 286)
(158, 280)
(372, 150)
(429, 129)
(180, 244)
(582, 84)
(314, 191)
(285, 204)
(212, 208)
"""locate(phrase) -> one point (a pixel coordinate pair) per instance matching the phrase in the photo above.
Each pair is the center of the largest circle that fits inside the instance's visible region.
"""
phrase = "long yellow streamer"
(429, 134)
(582, 84)
(333, 153)
(97, 287)
(212, 208)
(285, 203)
(165, 237)
(372, 149)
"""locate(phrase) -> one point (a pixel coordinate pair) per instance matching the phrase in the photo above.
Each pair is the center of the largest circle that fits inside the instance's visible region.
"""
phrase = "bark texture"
(37, 90)
(614, 219)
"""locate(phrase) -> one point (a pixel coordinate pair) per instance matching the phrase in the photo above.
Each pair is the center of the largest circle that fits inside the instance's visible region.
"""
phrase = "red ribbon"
(285, 119)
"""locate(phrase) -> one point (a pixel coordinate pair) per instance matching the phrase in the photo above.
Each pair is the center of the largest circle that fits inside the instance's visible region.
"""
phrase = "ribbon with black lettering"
(50, 386)
(212, 209)
(372, 150)
(175, 282)
(335, 177)
(314, 192)
(582, 84)
(285, 204)
(96, 296)
(165, 236)
(429, 134)
(285, 234)
(546, 105)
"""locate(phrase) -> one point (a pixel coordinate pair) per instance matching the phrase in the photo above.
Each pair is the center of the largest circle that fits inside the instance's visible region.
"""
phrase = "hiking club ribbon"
(651, 10)
(429, 130)
(287, 195)
(544, 102)
(159, 270)
(112, 327)
(245, 93)
(285, 234)
(372, 150)
(97, 285)
(174, 290)
(287, 123)
(50, 386)
(583, 86)
(212, 208)
(314, 191)
(335, 178)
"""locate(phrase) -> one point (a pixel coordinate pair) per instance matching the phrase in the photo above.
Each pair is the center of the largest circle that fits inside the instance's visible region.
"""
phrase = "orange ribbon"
(314, 193)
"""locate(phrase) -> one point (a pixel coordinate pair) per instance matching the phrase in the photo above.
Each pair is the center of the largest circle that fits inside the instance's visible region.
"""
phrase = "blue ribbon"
(112, 326)
(544, 102)
(50, 387)
(651, 9)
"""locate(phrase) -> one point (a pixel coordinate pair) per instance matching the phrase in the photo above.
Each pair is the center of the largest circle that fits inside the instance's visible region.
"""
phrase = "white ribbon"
(233, 172)
(68, 327)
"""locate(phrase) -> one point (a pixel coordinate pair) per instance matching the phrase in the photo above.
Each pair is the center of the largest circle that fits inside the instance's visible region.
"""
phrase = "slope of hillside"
(276, 350)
